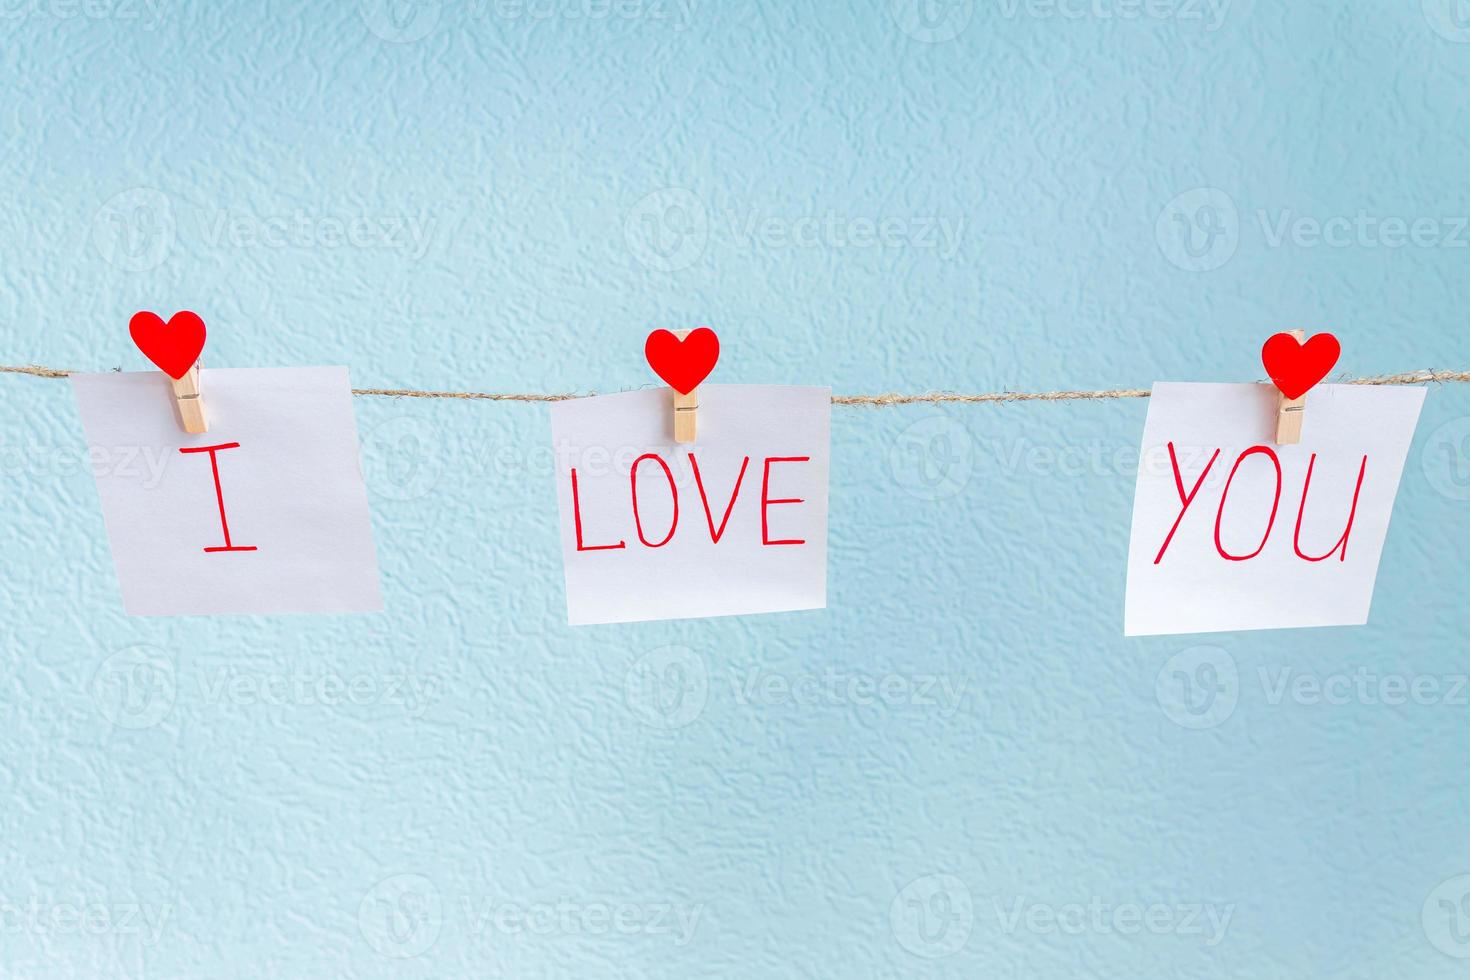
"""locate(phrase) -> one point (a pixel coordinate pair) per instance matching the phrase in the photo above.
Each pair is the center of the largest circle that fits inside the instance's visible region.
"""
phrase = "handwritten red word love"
(767, 502)
(1186, 500)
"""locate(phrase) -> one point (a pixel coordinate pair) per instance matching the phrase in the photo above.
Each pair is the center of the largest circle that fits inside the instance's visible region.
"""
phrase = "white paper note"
(1229, 564)
(289, 485)
(757, 549)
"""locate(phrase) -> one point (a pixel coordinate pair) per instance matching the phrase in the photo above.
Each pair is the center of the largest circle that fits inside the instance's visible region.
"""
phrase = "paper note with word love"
(266, 512)
(1233, 532)
(733, 523)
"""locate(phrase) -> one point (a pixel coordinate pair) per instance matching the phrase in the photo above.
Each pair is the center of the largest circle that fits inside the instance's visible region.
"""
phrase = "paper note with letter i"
(265, 512)
(1235, 531)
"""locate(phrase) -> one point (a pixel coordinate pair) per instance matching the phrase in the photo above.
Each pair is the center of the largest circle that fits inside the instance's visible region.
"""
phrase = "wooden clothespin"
(189, 401)
(1291, 412)
(686, 407)
(1295, 368)
(683, 358)
(174, 347)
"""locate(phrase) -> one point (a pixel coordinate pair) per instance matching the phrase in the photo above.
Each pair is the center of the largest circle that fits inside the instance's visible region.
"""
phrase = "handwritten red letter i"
(218, 493)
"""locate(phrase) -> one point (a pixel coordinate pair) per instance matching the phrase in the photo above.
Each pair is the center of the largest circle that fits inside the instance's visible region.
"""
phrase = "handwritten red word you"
(1187, 499)
(715, 533)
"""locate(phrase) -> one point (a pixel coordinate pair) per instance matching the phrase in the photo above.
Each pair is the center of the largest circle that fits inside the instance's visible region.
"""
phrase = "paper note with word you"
(733, 523)
(264, 513)
(1233, 532)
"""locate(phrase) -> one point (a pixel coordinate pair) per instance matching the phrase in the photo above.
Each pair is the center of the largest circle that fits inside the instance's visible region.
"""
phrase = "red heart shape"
(1296, 367)
(173, 346)
(682, 364)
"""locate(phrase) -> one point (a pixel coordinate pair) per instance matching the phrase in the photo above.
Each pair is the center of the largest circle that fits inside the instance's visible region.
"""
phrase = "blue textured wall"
(961, 768)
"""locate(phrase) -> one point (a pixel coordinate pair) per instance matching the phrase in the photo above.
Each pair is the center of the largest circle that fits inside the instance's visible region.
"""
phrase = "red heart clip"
(173, 346)
(1296, 367)
(682, 364)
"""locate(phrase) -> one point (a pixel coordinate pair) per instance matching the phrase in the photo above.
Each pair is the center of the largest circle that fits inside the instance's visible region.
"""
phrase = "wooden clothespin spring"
(686, 408)
(190, 401)
(1291, 412)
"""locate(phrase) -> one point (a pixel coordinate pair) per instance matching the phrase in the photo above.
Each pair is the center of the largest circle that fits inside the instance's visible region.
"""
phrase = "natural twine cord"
(879, 401)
